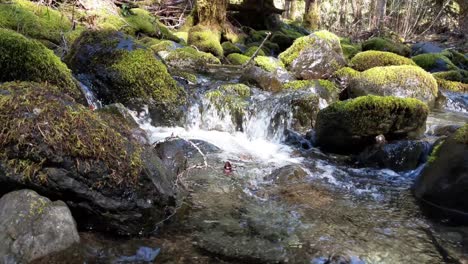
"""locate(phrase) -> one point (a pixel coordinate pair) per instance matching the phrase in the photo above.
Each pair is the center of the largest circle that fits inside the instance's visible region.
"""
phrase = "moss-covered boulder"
(230, 99)
(190, 58)
(454, 75)
(268, 64)
(139, 21)
(63, 150)
(34, 20)
(401, 81)
(350, 50)
(229, 48)
(459, 59)
(316, 56)
(121, 70)
(164, 45)
(434, 62)
(443, 184)
(23, 59)
(284, 39)
(425, 47)
(326, 90)
(372, 58)
(251, 51)
(205, 40)
(383, 44)
(237, 59)
(452, 86)
(351, 125)
(266, 80)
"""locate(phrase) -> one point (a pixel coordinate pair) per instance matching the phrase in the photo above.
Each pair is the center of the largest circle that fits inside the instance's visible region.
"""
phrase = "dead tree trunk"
(212, 13)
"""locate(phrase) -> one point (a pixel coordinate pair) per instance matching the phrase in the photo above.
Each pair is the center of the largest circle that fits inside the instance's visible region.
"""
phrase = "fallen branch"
(257, 51)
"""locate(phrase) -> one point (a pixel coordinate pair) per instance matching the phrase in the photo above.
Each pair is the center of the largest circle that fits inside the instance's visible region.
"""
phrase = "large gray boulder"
(316, 56)
(32, 226)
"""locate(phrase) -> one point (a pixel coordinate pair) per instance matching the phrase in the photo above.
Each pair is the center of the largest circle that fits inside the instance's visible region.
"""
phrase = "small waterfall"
(457, 102)
(93, 102)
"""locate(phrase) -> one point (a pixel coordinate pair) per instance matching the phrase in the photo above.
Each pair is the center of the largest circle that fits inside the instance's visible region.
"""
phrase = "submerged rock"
(31, 226)
(398, 156)
(401, 81)
(315, 56)
(120, 70)
(351, 125)
(63, 150)
(443, 184)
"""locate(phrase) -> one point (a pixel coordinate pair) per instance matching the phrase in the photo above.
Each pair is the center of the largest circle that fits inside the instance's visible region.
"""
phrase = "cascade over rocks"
(91, 161)
(351, 125)
(120, 70)
(31, 226)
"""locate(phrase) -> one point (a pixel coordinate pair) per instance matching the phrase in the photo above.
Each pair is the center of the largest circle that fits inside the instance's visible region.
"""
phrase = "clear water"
(334, 213)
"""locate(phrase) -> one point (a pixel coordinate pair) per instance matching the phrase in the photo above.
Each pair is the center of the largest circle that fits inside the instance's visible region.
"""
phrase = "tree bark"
(312, 15)
(380, 14)
(212, 13)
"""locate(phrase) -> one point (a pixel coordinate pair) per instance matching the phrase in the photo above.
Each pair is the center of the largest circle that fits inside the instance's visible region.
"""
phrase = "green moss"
(190, 77)
(350, 50)
(452, 86)
(250, 51)
(166, 45)
(190, 57)
(370, 59)
(289, 55)
(382, 44)
(323, 88)
(269, 64)
(230, 48)
(456, 58)
(34, 20)
(453, 75)
(327, 36)
(148, 41)
(432, 61)
(386, 77)
(462, 135)
(237, 59)
(28, 60)
(141, 21)
(205, 40)
(60, 128)
(331, 87)
(137, 69)
(182, 35)
(346, 73)
(230, 96)
(298, 84)
(256, 36)
(434, 153)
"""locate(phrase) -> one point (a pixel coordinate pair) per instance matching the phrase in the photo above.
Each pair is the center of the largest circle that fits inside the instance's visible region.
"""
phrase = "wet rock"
(352, 125)
(120, 70)
(398, 156)
(190, 58)
(444, 130)
(32, 226)
(425, 47)
(299, 141)
(268, 81)
(65, 151)
(316, 56)
(287, 174)
(443, 184)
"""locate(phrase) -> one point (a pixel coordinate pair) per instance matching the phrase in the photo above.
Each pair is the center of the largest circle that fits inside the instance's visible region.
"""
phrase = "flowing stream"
(314, 208)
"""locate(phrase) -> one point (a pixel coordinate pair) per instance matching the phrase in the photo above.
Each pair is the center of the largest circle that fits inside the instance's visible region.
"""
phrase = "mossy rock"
(457, 58)
(325, 89)
(372, 58)
(350, 50)
(205, 40)
(120, 70)
(52, 144)
(229, 48)
(402, 81)
(164, 45)
(454, 75)
(190, 58)
(316, 56)
(251, 50)
(442, 185)
(383, 44)
(231, 98)
(254, 35)
(34, 20)
(304, 110)
(434, 62)
(350, 126)
(268, 64)
(283, 40)
(452, 86)
(23, 59)
(182, 35)
(237, 59)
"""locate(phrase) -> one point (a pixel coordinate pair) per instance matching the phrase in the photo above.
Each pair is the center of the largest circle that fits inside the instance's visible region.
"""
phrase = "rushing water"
(326, 211)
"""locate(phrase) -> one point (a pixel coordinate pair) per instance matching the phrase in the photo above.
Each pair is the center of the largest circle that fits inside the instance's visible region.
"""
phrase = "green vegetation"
(230, 96)
(434, 62)
(166, 45)
(453, 75)
(230, 48)
(23, 59)
(269, 64)
(452, 86)
(289, 55)
(237, 59)
(205, 40)
(350, 50)
(346, 73)
(461, 135)
(58, 127)
(189, 57)
(370, 59)
(34, 20)
(383, 44)
(250, 51)
(435, 152)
